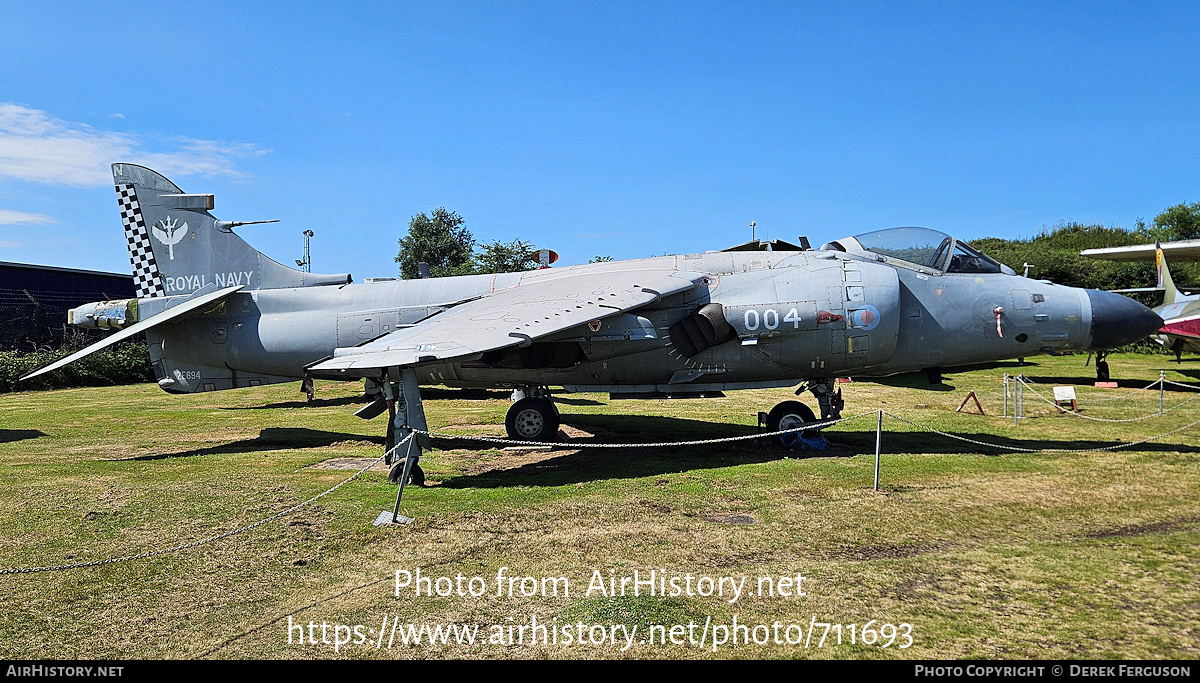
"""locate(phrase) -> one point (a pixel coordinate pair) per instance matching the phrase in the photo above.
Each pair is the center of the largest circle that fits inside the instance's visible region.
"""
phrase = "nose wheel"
(790, 415)
(532, 419)
(1101, 367)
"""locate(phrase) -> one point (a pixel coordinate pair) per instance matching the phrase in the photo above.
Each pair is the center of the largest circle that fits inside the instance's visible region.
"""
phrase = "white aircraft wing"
(538, 307)
(1182, 250)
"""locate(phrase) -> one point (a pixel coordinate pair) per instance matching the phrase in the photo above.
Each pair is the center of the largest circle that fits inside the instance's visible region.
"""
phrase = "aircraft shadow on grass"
(586, 465)
(10, 435)
(913, 381)
(270, 439)
(920, 380)
(315, 403)
(427, 393)
(1194, 373)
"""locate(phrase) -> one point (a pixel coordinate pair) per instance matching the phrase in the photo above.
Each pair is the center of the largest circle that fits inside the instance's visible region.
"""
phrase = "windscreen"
(921, 246)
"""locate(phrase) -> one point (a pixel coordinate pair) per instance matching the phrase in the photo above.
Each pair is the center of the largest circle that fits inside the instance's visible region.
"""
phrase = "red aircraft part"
(825, 317)
(1183, 327)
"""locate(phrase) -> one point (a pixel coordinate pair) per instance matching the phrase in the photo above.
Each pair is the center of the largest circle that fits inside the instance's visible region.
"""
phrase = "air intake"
(701, 330)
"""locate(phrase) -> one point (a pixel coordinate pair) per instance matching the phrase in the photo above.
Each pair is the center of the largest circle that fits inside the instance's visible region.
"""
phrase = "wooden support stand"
(970, 397)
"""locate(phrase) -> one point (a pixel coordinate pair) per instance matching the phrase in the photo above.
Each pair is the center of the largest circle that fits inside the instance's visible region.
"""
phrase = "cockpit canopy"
(921, 247)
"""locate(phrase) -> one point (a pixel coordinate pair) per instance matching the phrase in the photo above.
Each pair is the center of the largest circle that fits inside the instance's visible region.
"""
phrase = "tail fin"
(186, 249)
(1170, 293)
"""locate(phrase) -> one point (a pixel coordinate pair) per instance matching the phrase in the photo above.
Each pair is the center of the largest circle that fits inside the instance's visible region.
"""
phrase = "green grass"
(987, 553)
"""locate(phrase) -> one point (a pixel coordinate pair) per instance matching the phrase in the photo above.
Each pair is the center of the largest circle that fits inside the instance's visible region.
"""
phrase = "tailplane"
(176, 247)
(1165, 283)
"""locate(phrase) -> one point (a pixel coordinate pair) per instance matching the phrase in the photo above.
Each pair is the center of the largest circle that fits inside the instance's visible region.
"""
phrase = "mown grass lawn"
(984, 552)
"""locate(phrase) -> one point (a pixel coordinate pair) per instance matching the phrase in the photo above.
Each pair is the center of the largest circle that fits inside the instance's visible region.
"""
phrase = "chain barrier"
(816, 425)
(1102, 419)
(1181, 384)
(1042, 450)
(210, 539)
(1104, 399)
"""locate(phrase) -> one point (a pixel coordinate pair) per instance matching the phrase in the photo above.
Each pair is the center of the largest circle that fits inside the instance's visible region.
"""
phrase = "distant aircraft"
(1180, 312)
(218, 314)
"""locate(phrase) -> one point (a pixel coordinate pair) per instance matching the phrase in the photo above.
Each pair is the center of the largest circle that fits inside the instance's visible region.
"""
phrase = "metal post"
(1162, 383)
(1005, 395)
(878, 446)
(1020, 397)
(306, 262)
(408, 463)
(1016, 384)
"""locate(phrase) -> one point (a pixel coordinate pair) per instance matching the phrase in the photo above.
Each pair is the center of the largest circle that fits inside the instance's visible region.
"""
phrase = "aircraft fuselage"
(797, 315)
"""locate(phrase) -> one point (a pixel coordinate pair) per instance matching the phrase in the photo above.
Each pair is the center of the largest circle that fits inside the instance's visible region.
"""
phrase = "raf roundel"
(865, 318)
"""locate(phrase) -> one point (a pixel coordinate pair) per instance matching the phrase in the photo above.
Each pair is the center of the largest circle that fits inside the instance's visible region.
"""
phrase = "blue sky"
(622, 129)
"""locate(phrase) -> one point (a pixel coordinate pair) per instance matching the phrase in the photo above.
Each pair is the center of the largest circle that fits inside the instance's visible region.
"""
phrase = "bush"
(124, 363)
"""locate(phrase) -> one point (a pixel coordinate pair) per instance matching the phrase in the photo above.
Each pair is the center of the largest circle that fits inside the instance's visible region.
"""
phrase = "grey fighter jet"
(218, 315)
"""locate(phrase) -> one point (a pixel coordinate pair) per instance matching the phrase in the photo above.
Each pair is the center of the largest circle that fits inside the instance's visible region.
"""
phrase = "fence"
(34, 301)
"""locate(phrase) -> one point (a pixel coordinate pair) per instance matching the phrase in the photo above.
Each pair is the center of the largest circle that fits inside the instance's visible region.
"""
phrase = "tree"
(1180, 222)
(440, 240)
(505, 257)
(600, 259)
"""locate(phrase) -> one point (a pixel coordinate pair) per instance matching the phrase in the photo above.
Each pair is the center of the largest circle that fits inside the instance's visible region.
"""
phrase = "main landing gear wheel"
(532, 419)
(790, 415)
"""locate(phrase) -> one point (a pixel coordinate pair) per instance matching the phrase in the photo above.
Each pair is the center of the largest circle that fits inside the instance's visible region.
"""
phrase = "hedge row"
(122, 363)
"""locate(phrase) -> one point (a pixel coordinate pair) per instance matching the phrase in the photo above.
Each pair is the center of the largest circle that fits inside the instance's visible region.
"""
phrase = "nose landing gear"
(1101, 366)
(794, 414)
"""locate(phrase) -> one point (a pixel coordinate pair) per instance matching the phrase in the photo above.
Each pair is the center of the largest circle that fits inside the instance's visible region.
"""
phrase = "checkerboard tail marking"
(146, 277)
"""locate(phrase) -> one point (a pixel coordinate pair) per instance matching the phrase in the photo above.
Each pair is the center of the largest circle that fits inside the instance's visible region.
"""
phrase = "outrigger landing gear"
(406, 412)
(407, 426)
(533, 416)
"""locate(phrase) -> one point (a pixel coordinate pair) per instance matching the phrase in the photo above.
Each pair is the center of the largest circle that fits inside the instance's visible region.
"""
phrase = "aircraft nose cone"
(1118, 320)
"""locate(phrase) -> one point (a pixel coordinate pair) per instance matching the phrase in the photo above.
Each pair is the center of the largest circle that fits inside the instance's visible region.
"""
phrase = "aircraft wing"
(1182, 250)
(536, 308)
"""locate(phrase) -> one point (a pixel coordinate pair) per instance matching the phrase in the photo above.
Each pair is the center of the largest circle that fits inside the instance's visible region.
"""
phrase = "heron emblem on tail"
(169, 232)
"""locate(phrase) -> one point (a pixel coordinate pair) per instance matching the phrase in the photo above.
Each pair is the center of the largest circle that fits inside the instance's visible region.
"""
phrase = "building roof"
(59, 269)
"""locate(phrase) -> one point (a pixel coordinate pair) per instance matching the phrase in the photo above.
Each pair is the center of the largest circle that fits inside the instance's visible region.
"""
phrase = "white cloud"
(10, 217)
(10, 245)
(39, 148)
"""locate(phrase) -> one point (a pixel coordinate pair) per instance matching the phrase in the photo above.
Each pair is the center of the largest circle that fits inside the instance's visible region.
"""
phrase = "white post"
(1162, 384)
(1016, 398)
(1022, 397)
(1005, 395)
(878, 446)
